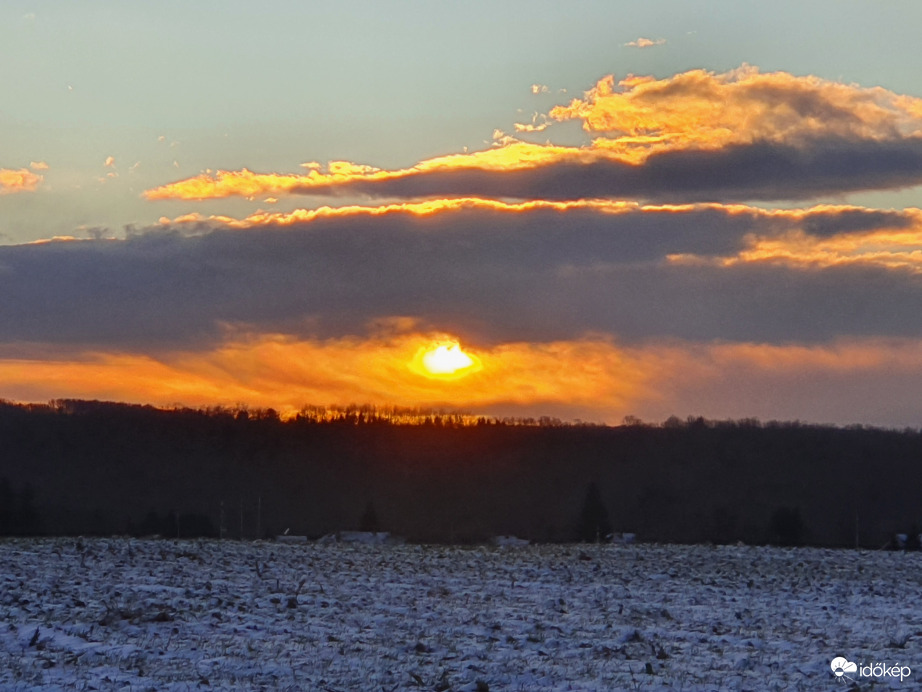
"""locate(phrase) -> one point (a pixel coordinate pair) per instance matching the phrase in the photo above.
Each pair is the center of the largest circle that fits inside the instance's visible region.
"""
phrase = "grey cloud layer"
(758, 171)
(489, 275)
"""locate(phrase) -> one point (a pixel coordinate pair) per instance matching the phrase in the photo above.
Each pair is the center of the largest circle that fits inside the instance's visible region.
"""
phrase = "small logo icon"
(841, 666)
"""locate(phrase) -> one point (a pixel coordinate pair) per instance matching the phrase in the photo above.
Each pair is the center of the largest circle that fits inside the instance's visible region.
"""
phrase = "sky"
(587, 210)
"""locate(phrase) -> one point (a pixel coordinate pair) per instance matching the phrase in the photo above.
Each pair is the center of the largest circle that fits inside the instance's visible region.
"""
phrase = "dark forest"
(98, 468)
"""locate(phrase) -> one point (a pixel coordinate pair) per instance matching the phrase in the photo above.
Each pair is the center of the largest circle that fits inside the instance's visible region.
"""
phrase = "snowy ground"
(189, 615)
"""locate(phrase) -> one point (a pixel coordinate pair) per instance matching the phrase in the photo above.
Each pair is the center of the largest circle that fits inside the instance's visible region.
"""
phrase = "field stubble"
(90, 614)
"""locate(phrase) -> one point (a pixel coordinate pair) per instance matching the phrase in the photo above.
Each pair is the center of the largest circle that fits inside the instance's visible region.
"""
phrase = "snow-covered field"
(187, 615)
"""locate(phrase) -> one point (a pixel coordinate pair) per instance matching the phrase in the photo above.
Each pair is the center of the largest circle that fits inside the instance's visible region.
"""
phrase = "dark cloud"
(490, 275)
(740, 172)
(826, 224)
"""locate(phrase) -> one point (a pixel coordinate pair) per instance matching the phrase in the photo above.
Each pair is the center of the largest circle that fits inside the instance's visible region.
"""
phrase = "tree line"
(76, 467)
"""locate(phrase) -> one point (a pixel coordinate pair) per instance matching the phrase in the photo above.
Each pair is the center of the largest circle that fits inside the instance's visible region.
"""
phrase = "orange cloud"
(242, 183)
(511, 155)
(427, 208)
(904, 227)
(891, 249)
(895, 246)
(19, 180)
(699, 109)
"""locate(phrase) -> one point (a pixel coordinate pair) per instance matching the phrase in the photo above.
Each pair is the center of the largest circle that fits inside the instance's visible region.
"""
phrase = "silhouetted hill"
(74, 467)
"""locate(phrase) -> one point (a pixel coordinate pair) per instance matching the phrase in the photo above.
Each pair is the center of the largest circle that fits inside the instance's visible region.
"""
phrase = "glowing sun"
(444, 360)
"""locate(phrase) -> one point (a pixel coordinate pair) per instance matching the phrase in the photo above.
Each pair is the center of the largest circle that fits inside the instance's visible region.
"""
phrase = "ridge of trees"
(92, 467)
(371, 414)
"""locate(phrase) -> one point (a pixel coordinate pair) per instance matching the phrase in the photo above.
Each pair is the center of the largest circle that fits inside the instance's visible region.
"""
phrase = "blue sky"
(155, 133)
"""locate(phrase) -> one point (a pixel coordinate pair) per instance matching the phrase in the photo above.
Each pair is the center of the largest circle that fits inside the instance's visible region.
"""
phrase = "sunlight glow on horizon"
(593, 379)
(586, 215)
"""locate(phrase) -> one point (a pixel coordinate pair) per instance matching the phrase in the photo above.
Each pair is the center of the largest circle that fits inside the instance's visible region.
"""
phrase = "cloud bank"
(489, 271)
(742, 135)
(577, 309)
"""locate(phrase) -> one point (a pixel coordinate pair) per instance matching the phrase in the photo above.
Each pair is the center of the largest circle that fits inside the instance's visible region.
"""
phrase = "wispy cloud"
(645, 43)
(539, 123)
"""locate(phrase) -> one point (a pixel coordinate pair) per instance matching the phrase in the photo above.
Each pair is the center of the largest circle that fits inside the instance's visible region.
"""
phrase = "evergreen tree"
(26, 517)
(369, 520)
(6, 507)
(594, 524)
(787, 526)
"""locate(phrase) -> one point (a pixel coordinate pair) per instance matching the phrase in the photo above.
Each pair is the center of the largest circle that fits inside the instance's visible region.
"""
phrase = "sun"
(444, 360)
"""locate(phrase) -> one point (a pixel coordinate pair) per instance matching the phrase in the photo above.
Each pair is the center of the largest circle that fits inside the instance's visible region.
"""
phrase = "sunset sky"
(585, 210)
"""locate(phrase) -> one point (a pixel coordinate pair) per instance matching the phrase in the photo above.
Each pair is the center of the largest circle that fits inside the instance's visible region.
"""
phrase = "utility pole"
(259, 516)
